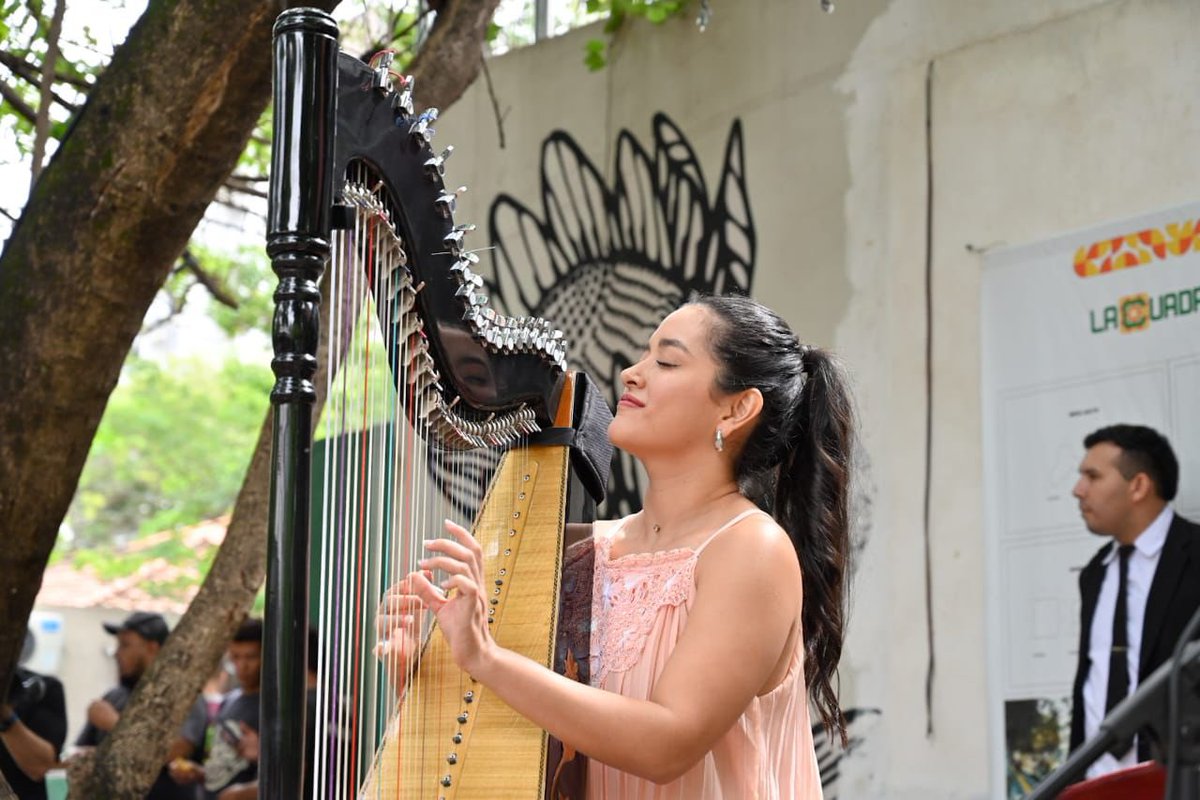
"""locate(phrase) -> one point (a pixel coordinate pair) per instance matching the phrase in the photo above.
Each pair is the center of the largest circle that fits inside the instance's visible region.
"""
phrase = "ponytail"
(812, 503)
(796, 463)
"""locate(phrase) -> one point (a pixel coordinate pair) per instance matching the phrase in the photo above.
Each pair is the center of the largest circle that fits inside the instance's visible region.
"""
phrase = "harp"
(356, 184)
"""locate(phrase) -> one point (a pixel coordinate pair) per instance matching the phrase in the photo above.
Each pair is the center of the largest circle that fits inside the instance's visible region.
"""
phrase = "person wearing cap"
(139, 638)
(33, 727)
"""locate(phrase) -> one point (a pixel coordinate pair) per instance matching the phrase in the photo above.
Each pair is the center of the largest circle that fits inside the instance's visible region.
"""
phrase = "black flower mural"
(607, 262)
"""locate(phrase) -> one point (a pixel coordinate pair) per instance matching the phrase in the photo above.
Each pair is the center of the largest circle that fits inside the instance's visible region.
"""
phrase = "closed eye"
(665, 364)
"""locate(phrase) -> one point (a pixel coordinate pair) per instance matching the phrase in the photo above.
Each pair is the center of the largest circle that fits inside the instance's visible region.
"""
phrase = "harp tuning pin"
(454, 242)
(436, 167)
(447, 203)
(420, 127)
(403, 101)
(421, 131)
(381, 77)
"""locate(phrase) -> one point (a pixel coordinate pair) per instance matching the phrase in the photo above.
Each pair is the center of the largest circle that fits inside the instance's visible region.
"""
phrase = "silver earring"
(719, 441)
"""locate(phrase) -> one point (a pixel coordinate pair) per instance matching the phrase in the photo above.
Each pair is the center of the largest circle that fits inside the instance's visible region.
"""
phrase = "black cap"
(150, 626)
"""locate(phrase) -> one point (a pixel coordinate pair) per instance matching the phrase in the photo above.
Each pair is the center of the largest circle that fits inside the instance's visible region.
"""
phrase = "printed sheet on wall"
(1079, 332)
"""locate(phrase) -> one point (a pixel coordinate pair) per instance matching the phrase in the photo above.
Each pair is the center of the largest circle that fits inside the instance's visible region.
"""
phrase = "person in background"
(33, 727)
(140, 637)
(1139, 591)
(249, 791)
(231, 769)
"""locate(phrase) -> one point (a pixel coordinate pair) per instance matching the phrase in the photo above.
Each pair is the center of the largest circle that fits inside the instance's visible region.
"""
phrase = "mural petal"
(735, 259)
(684, 198)
(640, 218)
(575, 200)
(528, 260)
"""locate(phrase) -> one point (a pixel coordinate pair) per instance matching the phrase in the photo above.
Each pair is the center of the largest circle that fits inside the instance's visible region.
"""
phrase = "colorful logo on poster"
(1136, 249)
(1135, 312)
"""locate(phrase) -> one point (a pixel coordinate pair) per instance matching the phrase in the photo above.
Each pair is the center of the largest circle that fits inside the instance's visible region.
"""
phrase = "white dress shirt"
(1143, 561)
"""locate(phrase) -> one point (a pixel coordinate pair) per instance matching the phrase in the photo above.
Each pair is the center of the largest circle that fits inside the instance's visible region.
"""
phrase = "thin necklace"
(656, 529)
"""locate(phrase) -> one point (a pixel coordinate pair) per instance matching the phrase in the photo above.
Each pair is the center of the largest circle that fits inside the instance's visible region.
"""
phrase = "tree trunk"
(106, 219)
(126, 763)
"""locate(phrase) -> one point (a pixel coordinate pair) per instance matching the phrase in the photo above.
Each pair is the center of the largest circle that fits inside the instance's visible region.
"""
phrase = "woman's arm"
(747, 604)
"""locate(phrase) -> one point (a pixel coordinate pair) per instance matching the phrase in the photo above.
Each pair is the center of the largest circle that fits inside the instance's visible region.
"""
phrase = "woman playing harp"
(713, 622)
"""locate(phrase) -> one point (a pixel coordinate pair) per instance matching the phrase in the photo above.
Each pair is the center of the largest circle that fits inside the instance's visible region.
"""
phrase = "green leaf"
(594, 54)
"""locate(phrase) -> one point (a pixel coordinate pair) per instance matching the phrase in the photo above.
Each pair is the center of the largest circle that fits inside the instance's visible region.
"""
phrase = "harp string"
(386, 486)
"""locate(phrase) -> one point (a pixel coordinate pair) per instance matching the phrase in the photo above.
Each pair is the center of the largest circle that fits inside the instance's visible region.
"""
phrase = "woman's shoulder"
(753, 546)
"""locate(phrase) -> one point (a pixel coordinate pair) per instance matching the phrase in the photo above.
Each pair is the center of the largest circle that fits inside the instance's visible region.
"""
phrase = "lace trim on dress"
(627, 594)
(629, 591)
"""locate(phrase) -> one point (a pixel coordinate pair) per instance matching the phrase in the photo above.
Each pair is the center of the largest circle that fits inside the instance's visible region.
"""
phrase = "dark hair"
(796, 463)
(1142, 450)
(251, 630)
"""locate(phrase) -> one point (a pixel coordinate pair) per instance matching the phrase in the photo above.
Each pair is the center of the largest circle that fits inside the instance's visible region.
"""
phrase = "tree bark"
(125, 764)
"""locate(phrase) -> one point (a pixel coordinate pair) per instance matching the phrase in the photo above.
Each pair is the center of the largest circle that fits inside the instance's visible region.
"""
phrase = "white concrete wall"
(1044, 117)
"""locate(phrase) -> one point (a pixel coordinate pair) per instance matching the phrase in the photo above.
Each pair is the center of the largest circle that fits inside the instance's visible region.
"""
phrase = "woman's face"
(669, 404)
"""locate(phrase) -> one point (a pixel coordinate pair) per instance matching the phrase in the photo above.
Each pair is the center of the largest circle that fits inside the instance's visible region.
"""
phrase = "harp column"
(298, 236)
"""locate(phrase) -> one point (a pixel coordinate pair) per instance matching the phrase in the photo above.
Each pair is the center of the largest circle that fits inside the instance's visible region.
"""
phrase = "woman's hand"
(397, 623)
(459, 602)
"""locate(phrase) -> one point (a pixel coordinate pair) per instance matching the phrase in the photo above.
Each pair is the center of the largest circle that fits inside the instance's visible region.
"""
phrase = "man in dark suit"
(1147, 577)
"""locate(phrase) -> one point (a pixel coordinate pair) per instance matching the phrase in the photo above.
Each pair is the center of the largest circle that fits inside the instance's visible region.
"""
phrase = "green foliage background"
(171, 449)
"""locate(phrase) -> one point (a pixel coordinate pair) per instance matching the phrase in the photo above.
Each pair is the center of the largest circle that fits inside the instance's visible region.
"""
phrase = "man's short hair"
(251, 630)
(1142, 450)
(146, 624)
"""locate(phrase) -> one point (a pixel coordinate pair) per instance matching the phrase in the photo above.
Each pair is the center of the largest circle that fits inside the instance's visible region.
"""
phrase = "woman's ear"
(742, 411)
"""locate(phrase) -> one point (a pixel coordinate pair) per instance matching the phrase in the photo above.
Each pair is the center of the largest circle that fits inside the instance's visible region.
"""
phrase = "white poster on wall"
(1082, 331)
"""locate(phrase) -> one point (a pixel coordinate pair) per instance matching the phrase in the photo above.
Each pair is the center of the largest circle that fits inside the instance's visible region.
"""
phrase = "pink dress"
(640, 605)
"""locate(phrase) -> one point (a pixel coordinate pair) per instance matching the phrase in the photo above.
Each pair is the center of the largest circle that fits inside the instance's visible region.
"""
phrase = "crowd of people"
(213, 756)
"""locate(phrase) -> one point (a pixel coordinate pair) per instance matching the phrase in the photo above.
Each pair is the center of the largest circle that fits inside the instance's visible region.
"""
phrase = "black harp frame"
(333, 111)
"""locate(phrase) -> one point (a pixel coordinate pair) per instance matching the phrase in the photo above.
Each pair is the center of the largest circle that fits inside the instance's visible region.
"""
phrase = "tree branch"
(30, 71)
(208, 281)
(491, 90)
(19, 105)
(41, 128)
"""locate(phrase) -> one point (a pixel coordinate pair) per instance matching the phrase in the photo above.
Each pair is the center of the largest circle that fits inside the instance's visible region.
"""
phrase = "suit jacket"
(1174, 597)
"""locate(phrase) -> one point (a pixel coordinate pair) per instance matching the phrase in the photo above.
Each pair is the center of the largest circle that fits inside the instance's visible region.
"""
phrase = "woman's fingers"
(465, 539)
(386, 624)
(465, 586)
(451, 549)
(434, 597)
(406, 603)
(451, 566)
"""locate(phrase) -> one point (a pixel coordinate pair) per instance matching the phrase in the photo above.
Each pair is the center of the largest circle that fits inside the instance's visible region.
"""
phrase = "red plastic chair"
(1145, 781)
